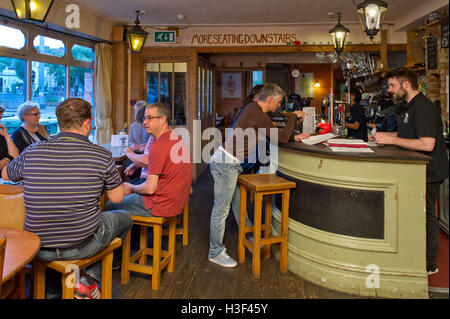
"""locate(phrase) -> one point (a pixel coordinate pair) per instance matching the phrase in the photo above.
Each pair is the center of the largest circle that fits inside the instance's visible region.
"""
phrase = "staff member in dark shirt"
(356, 123)
(8, 150)
(419, 128)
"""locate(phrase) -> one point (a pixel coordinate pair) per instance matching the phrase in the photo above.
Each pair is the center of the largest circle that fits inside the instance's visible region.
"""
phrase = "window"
(166, 83)
(53, 68)
(12, 90)
(11, 38)
(49, 46)
(257, 77)
(82, 53)
(82, 85)
(205, 95)
(48, 90)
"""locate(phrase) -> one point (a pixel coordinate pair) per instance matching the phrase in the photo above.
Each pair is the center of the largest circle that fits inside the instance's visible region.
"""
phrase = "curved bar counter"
(356, 220)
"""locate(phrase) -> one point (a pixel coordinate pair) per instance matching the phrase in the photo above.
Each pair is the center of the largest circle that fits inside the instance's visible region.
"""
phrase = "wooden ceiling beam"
(298, 48)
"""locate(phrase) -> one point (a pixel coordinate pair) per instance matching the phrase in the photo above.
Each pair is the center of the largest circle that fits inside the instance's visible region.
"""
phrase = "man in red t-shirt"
(169, 177)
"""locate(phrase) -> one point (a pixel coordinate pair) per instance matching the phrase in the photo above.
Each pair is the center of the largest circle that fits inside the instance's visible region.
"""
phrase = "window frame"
(30, 54)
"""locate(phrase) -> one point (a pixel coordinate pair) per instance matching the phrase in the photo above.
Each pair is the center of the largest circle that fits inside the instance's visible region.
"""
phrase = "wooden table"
(21, 247)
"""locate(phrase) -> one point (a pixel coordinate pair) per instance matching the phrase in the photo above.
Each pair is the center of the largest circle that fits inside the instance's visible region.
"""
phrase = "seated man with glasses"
(30, 131)
(169, 177)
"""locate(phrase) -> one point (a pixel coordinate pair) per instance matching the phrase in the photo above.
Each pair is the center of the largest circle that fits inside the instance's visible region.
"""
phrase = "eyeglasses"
(148, 118)
(35, 114)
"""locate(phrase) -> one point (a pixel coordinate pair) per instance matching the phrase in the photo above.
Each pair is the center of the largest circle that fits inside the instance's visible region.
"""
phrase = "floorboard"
(195, 277)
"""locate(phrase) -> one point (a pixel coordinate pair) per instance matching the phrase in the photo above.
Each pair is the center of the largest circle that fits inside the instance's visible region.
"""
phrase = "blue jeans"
(225, 181)
(133, 204)
(113, 223)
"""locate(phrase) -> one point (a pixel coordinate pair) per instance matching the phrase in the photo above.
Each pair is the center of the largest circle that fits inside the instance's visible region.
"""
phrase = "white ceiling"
(240, 12)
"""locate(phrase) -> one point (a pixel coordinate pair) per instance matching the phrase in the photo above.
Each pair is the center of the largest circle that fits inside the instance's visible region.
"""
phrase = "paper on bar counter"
(348, 146)
(340, 142)
(318, 138)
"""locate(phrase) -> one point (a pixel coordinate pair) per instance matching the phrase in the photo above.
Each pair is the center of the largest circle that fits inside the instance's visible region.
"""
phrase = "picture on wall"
(231, 85)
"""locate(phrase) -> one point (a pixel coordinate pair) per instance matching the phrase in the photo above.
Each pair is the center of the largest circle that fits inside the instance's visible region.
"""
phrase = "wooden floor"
(197, 278)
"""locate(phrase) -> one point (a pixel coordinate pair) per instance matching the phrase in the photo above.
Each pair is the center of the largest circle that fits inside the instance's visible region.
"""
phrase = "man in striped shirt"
(64, 179)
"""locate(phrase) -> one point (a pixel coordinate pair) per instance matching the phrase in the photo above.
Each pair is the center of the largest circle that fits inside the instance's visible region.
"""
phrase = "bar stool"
(260, 185)
(66, 268)
(168, 256)
(183, 230)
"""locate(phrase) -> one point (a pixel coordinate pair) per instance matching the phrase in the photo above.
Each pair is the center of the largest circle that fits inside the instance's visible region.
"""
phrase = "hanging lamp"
(372, 13)
(339, 35)
(32, 10)
(137, 35)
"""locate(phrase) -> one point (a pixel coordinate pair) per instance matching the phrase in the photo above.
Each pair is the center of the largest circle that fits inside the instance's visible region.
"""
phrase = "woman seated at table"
(139, 161)
(8, 151)
(138, 136)
(30, 131)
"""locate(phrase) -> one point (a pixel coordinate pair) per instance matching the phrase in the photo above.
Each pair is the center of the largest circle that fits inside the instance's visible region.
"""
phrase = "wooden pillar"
(119, 79)
(383, 49)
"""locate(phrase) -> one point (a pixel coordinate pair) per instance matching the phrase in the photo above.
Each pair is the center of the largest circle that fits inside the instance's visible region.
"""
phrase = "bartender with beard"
(419, 128)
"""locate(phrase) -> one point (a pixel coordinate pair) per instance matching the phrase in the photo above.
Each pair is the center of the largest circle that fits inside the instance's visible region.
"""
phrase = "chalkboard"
(432, 52)
(444, 35)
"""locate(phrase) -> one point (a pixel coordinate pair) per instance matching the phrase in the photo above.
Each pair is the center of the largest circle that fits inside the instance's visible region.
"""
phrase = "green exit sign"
(165, 37)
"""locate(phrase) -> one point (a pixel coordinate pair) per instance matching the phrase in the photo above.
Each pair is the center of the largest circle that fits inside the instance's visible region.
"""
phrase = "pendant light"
(137, 35)
(372, 13)
(32, 10)
(339, 35)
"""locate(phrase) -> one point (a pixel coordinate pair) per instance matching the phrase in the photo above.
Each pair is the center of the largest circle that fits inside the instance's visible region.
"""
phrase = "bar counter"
(356, 220)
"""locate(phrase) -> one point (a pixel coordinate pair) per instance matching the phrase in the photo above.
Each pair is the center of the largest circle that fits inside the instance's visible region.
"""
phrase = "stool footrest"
(263, 242)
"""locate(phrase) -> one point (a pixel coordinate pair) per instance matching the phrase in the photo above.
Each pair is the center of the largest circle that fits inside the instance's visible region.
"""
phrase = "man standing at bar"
(64, 179)
(229, 160)
(419, 128)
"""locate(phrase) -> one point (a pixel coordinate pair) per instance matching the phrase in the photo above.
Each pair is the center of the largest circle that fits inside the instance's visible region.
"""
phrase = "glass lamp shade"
(339, 35)
(372, 13)
(136, 39)
(33, 10)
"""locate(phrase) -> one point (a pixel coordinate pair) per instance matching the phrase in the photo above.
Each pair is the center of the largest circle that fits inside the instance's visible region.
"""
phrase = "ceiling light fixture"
(32, 10)
(372, 12)
(339, 35)
(137, 35)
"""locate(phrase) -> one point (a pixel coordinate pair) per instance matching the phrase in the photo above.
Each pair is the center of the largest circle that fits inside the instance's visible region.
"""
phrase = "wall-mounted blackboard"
(444, 35)
(432, 52)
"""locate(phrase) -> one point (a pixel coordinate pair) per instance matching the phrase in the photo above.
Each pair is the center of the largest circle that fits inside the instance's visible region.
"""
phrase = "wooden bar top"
(388, 153)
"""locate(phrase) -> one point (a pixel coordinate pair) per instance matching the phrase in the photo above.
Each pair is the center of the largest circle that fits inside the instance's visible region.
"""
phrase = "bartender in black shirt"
(356, 124)
(8, 150)
(419, 128)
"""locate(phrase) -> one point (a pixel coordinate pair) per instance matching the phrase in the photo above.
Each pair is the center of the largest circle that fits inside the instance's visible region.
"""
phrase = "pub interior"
(353, 224)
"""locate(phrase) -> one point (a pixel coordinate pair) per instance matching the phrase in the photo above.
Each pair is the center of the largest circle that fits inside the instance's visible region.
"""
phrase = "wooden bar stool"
(168, 256)
(67, 268)
(260, 185)
(183, 222)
